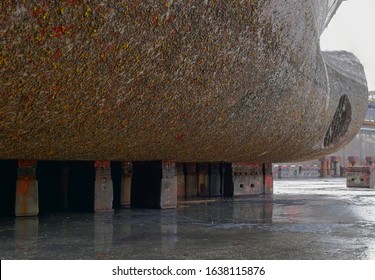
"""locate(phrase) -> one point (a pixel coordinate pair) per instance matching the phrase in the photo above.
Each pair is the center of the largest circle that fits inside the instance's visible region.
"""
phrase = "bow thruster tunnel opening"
(340, 122)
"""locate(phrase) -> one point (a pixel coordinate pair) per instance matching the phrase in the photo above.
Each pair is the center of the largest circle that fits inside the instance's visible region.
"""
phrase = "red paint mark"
(59, 31)
(102, 163)
(180, 137)
(23, 190)
(170, 19)
(57, 54)
(26, 163)
(37, 12)
(268, 183)
(98, 9)
(155, 20)
(23, 186)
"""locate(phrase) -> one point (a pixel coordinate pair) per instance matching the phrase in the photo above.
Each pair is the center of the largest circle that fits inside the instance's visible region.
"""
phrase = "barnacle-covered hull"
(238, 81)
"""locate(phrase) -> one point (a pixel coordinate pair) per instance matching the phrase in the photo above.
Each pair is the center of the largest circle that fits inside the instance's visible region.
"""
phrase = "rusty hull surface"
(238, 81)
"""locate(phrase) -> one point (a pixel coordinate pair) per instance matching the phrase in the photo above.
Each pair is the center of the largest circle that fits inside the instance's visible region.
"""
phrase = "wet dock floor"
(310, 219)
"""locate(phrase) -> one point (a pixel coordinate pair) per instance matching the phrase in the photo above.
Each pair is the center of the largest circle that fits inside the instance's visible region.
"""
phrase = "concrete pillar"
(325, 167)
(27, 200)
(267, 178)
(353, 161)
(335, 161)
(370, 161)
(342, 171)
(168, 196)
(154, 185)
(337, 168)
(65, 186)
(279, 172)
(191, 180)
(214, 176)
(103, 187)
(180, 180)
(203, 180)
(329, 167)
(126, 184)
(247, 179)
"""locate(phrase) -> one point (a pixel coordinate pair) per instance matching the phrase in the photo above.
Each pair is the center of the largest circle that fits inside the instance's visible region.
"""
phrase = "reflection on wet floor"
(26, 234)
(103, 234)
(310, 219)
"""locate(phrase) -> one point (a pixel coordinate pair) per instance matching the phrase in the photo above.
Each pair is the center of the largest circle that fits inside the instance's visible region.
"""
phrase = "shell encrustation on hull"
(239, 81)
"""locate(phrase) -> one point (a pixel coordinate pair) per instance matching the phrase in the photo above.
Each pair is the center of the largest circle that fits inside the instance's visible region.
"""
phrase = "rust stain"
(102, 163)
(27, 163)
(57, 54)
(60, 30)
(180, 137)
(23, 186)
(268, 181)
(23, 191)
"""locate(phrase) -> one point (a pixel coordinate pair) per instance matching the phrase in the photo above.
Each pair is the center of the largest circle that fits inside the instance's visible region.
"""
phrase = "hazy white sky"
(353, 29)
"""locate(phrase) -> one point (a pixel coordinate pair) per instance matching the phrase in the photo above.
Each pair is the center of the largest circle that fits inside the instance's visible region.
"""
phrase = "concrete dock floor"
(303, 219)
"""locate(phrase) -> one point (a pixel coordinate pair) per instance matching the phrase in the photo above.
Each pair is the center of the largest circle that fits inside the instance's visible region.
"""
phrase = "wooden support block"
(103, 187)
(27, 199)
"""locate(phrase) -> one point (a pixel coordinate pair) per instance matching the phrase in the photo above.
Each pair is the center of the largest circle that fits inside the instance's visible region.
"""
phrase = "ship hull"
(237, 81)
